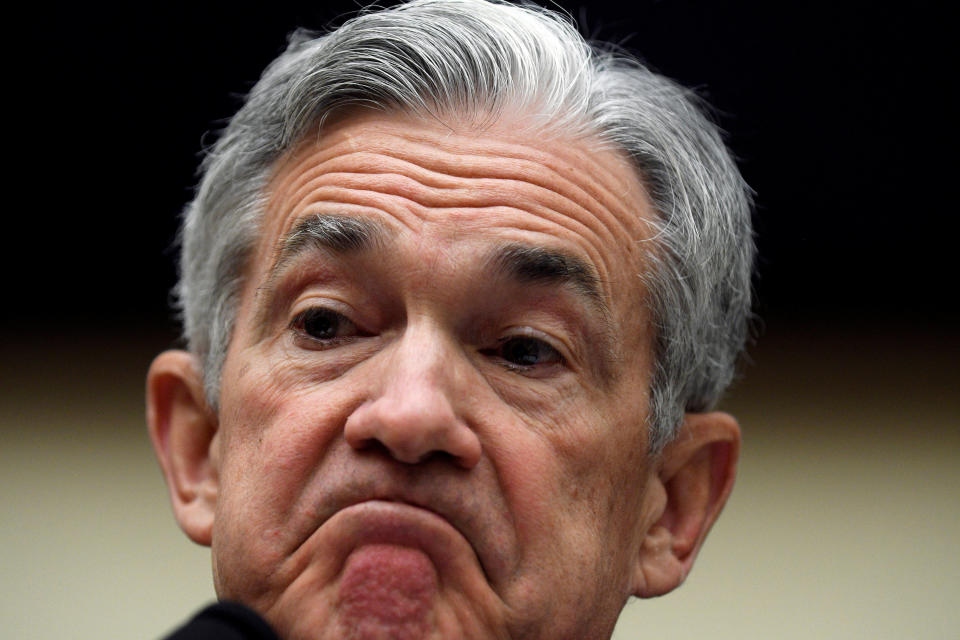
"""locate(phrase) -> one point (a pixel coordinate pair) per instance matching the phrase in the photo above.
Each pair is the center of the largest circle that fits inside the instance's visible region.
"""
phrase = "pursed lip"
(424, 507)
(399, 523)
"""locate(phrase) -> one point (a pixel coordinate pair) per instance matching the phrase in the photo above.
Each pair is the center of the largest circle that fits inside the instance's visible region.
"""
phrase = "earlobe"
(183, 431)
(696, 477)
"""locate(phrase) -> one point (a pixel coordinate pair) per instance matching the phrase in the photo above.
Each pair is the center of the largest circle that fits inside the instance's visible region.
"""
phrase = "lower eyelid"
(308, 342)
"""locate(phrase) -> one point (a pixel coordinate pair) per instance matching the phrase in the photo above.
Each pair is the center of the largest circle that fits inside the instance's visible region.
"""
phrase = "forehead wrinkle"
(408, 202)
(437, 158)
(400, 187)
(554, 175)
(570, 160)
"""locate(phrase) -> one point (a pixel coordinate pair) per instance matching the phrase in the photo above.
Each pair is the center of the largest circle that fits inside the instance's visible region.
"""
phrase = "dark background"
(841, 115)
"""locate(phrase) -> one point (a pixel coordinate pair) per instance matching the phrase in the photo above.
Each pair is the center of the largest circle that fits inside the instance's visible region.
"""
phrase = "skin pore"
(433, 410)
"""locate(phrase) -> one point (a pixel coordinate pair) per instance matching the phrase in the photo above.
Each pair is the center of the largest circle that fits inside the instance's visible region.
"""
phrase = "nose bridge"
(424, 360)
(414, 408)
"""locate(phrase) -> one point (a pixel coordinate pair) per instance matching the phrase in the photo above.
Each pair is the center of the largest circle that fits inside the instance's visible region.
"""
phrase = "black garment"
(225, 621)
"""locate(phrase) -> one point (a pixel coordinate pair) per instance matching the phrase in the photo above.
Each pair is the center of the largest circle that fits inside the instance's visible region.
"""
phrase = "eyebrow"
(340, 235)
(539, 265)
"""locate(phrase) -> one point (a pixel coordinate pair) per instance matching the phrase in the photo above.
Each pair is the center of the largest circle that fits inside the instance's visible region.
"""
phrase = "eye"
(324, 325)
(525, 352)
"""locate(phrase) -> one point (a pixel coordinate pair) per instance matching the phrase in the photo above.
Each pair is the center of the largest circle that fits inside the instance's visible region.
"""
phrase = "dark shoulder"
(225, 621)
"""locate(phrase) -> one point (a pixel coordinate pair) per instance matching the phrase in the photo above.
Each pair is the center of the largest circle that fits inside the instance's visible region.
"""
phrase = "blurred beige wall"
(844, 523)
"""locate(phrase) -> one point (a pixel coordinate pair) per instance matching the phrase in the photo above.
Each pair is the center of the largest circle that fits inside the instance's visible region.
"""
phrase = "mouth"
(364, 500)
(381, 522)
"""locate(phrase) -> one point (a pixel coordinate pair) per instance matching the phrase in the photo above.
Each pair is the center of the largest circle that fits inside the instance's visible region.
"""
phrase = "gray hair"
(481, 58)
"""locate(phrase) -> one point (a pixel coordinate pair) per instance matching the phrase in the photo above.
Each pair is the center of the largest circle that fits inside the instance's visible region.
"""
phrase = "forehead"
(439, 185)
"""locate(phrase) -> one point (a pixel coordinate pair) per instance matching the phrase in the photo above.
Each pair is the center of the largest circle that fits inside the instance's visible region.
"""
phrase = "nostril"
(366, 444)
(413, 428)
(439, 456)
(373, 447)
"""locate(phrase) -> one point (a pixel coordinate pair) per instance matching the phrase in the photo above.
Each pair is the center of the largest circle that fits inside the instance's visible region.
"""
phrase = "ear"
(695, 478)
(183, 430)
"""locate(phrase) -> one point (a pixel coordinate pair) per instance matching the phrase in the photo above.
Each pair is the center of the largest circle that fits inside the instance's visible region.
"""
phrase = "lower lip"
(400, 526)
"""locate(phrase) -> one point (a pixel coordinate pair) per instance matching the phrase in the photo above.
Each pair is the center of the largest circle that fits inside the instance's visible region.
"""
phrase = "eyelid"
(526, 331)
(317, 301)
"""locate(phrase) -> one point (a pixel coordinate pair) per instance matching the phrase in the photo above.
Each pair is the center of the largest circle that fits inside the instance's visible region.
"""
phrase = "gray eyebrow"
(331, 233)
(527, 263)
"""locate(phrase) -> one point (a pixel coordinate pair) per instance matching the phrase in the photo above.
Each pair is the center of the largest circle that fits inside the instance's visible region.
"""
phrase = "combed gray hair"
(483, 59)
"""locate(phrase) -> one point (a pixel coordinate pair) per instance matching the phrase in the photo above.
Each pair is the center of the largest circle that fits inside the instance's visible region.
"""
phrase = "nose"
(413, 409)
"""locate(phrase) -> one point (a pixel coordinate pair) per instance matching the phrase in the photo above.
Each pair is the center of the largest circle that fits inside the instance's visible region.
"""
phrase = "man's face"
(433, 417)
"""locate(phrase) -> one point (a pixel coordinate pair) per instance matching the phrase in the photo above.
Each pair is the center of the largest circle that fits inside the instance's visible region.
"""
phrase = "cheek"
(610, 468)
(276, 414)
(574, 515)
(542, 461)
(274, 437)
(576, 473)
(595, 441)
